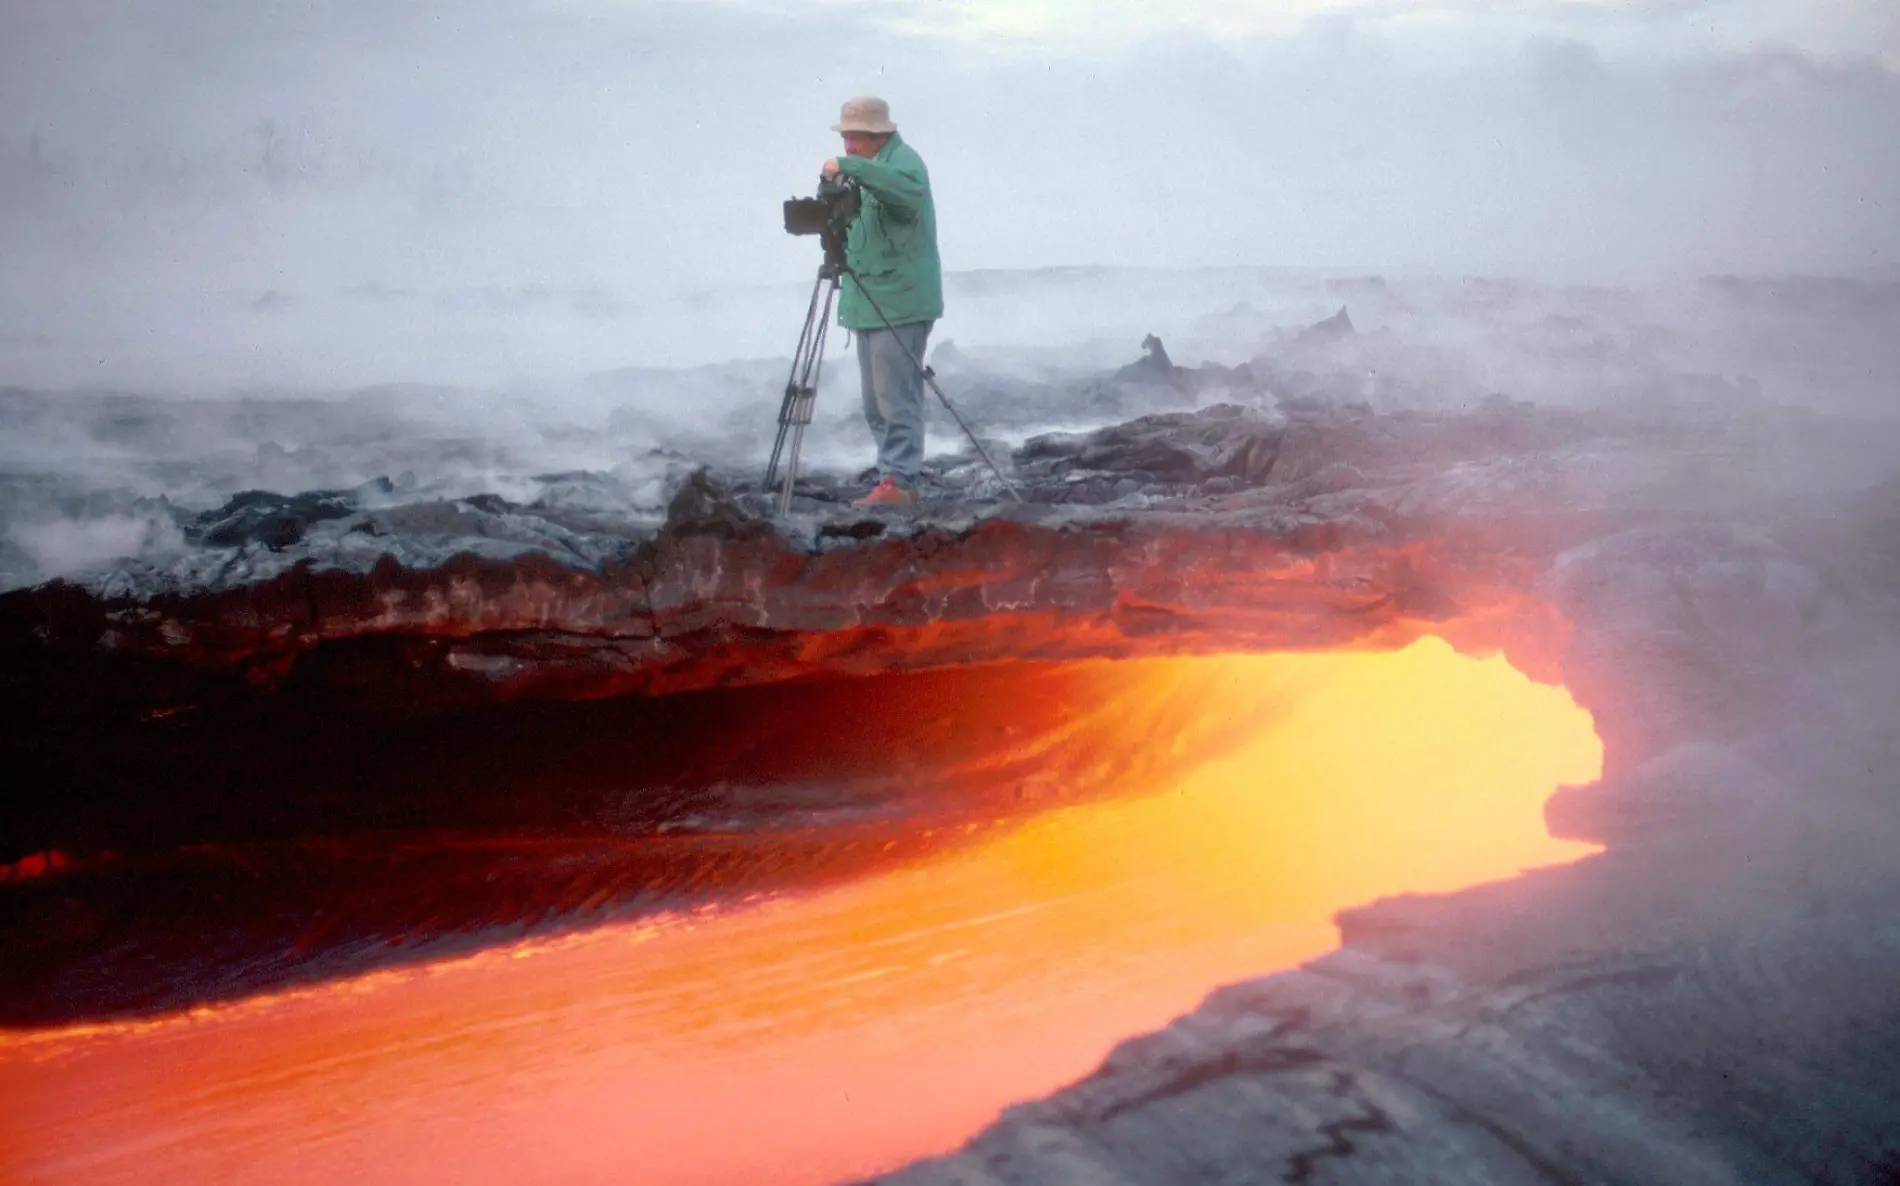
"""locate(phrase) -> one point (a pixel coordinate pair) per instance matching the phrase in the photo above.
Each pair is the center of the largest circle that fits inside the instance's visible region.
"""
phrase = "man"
(895, 292)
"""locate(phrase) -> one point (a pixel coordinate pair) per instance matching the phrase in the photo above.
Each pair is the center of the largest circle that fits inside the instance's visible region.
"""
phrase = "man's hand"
(831, 167)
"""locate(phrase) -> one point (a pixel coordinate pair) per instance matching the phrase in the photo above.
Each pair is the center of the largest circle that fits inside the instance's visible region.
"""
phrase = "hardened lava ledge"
(1716, 578)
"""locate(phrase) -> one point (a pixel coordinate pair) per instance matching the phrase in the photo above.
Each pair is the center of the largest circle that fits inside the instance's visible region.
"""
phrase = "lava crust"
(1714, 578)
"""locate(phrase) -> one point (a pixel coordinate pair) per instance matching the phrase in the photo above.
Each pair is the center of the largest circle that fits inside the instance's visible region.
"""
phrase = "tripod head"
(829, 216)
(834, 265)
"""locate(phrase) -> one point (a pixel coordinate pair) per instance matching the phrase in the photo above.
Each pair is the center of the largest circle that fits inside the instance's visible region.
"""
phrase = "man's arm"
(899, 188)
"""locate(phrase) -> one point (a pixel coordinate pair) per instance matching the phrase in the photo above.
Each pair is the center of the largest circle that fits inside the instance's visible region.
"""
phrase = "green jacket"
(892, 244)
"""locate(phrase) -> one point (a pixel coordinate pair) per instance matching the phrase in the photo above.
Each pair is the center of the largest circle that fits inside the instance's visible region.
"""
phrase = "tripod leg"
(797, 381)
(930, 377)
(799, 411)
(791, 472)
(802, 396)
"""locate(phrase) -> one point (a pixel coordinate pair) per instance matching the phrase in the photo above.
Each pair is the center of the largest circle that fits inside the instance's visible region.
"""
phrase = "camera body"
(828, 214)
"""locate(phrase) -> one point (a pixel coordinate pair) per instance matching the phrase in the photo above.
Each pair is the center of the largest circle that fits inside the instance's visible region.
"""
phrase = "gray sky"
(188, 177)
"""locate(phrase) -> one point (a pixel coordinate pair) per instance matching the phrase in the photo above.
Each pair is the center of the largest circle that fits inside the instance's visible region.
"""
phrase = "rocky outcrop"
(1214, 529)
(1338, 326)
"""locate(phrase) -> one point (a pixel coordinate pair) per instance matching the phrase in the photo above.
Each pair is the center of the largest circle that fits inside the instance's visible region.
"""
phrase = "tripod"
(808, 360)
(801, 387)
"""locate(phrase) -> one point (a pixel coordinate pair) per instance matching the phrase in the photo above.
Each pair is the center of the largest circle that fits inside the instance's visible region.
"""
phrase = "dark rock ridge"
(1714, 576)
(1304, 525)
(274, 520)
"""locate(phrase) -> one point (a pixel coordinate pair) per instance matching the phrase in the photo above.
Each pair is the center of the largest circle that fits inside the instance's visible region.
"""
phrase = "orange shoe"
(886, 493)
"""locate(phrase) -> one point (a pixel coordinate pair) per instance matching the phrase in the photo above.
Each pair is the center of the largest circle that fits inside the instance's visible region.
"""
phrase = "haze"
(201, 197)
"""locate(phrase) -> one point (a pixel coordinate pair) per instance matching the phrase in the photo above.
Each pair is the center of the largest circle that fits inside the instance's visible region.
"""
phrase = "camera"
(829, 212)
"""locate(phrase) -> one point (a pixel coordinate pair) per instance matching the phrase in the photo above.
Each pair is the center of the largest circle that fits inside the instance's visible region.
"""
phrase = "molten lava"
(812, 1037)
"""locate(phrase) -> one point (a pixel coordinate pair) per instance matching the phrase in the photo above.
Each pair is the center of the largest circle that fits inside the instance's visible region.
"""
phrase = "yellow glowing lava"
(808, 1039)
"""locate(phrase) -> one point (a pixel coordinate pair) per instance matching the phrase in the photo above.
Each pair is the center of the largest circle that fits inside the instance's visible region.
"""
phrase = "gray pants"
(894, 398)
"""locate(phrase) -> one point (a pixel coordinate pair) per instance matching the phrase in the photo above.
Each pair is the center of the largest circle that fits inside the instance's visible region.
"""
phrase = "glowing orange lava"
(809, 1039)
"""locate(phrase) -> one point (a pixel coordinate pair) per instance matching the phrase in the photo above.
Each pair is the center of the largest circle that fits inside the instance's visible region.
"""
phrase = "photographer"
(894, 291)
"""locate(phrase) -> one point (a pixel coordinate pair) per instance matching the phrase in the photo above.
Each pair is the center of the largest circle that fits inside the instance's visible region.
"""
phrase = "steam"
(525, 193)
(534, 252)
(77, 545)
(87, 480)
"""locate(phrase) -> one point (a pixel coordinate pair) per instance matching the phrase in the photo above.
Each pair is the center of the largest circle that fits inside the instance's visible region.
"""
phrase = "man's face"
(862, 143)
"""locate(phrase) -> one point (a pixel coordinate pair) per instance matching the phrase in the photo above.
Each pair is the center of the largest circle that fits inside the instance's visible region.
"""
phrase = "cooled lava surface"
(341, 737)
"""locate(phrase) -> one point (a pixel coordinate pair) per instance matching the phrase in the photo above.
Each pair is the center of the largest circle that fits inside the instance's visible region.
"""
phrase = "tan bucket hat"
(867, 114)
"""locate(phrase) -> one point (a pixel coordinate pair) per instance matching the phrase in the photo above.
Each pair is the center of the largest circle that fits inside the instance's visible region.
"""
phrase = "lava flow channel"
(810, 1038)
